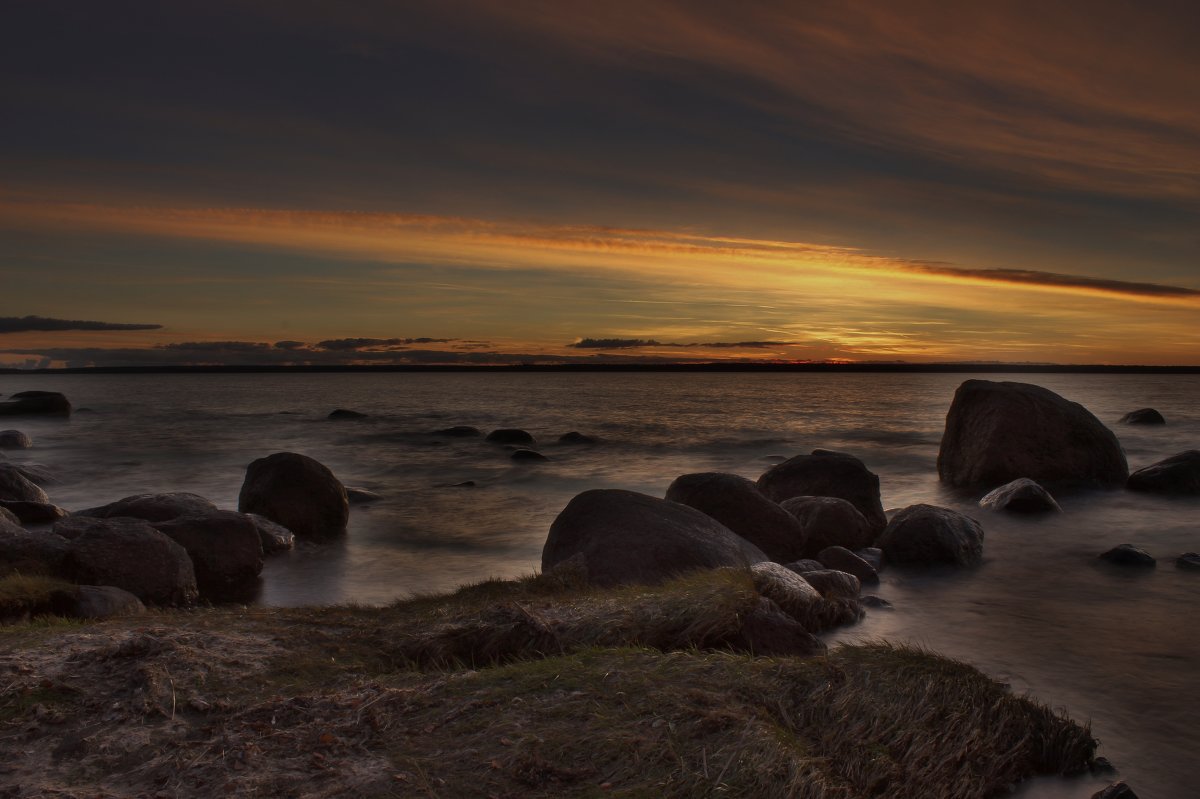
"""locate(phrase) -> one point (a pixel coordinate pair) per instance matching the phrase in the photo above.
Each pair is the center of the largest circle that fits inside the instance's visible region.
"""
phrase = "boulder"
(36, 403)
(1143, 416)
(33, 512)
(997, 432)
(926, 535)
(575, 437)
(1118, 790)
(830, 522)
(1128, 555)
(833, 584)
(827, 474)
(459, 431)
(102, 602)
(361, 496)
(30, 552)
(785, 588)
(36, 473)
(805, 565)
(843, 560)
(1178, 474)
(130, 554)
(528, 456)
(342, 413)
(510, 436)
(153, 507)
(1188, 560)
(297, 492)
(768, 631)
(224, 546)
(15, 487)
(738, 504)
(627, 537)
(273, 537)
(14, 439)
(1020, 496)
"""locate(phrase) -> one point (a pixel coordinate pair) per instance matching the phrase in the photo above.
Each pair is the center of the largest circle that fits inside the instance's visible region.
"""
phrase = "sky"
(461, 181)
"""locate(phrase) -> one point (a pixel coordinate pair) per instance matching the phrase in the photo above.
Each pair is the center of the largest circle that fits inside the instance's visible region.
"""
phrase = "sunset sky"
(268, 182)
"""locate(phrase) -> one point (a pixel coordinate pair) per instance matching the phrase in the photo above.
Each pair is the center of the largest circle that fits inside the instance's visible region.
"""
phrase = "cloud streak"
(27, 324)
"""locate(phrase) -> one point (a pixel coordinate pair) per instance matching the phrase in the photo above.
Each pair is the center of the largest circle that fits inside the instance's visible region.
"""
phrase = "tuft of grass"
(26, 595)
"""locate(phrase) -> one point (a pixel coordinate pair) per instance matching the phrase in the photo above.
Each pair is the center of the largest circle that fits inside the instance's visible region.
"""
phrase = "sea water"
(1116, 648)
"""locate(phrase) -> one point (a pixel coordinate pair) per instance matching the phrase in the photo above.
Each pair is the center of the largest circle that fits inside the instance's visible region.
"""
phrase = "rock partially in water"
(224, 546)
(738, 504)
(14, 439)
(1178, 475)
(833, 584)
(997, 432)
(827, 474)
(153, 507)
(785, 588)
(830, 522)
(15, 487)
(844, 560)
(459, 431)
(1188, 560)
(872, 555)
(273, 537)
(130, 554)
(528, 456)
(877, 602)
(1129, 555)
(1020, 496)
(1118, 790)
(103, 602)
(33, 512)
(298, 492)
(575, 437)
(344, 414)
(1143, 416)
(36, 473)
(36, 403)
(927, 535)
(510, 436)
(626, 537)
(361, 496)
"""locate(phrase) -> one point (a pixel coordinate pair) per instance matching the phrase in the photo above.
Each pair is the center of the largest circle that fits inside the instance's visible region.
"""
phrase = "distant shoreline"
(851, 368)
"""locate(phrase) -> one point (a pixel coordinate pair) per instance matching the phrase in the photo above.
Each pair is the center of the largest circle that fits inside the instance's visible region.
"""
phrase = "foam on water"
(1115, 648)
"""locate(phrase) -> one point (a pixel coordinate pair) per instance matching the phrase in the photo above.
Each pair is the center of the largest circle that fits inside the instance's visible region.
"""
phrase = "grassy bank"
(531, 688)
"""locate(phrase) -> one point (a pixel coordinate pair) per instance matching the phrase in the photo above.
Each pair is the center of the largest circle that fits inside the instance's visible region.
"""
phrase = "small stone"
(575, 438)
(510, 436)
(1143, 416)
(1118, 790)
(342, 413)
(1128, 555)
(528, 456)
(877, 602)
(1188, 560)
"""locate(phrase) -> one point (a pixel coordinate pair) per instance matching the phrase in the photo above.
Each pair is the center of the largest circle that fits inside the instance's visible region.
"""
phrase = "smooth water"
(1117, 648)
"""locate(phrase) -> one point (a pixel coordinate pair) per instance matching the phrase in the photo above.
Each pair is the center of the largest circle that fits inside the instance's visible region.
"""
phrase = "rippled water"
(1116, 648)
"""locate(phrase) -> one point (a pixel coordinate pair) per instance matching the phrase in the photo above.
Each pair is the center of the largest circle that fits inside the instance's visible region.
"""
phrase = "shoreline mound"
(537, 687)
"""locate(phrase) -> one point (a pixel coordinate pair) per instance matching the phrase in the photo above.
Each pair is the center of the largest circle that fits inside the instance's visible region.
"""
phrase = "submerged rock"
(830, 522)
(925, 535)
(1188, 560)
(1143, 416)
(361, 496)
(877, 602)
(510, 436)
(627, 537)
(1178, 474)
(153, 507)
(15, 487)
(574, 437)
(528, 456)
(14, 439)
(298, 492)
(738, 504)
(459, 431)
(827, 474)
(1020, 496)
(36, 403)
(1118, 790)
(224, 546)
(997, 432)
(132, 555)
(1128, 555)
(844, 560)
(342, 413)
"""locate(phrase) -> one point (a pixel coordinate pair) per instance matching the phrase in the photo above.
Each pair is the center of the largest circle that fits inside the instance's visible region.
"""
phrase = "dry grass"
(23, 596)
(596, 700)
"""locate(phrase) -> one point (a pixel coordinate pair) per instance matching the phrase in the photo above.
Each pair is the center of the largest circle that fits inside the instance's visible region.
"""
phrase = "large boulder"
(827, 474)
(738, 504)
(32, 512)
(627, 537)
(997, 432)
(224, 546)
(273, 537)
(14, 439)
(830, 522)
(29, 552)
(1143, 416)
(36, 403)
(298, 492)
(132, 555)
(926, 535)
(1178, 474)
(153, 507)
(15, 487)
(1020, 496)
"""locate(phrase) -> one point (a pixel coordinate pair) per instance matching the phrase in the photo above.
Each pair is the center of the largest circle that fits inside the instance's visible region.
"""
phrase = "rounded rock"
(1020, 496)
(843, 560)
(14, 439)
(298, 492)
(1177, 475)
(1143, 416)
(830, 522)
(925, 535)
(1128, 555)
(16, 488)
(132, 555)
(738, 504)
(827, 474)
(510, 436)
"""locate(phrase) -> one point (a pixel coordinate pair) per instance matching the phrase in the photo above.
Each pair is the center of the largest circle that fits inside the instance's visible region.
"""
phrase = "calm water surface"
(1116, 648)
